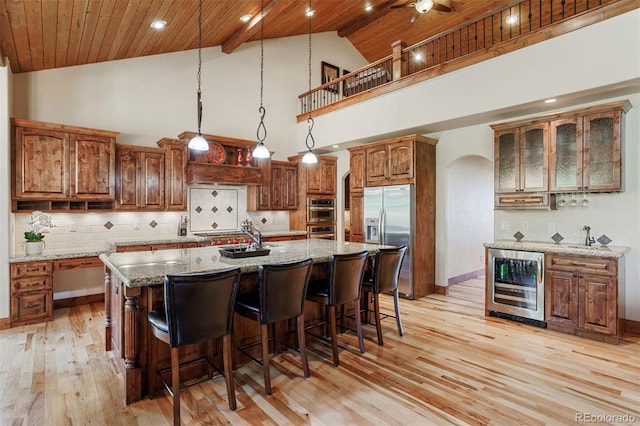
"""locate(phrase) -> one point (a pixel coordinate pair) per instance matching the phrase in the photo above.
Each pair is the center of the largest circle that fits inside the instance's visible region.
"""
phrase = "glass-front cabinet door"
(565, 162)
(602, 157)
(534, 170)
(507, 161)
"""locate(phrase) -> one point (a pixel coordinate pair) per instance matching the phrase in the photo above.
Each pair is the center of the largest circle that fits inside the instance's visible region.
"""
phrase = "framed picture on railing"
(330, 73)
(345, 88)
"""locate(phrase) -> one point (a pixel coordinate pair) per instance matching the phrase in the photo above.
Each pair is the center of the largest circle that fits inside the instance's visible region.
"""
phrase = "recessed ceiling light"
(309, 12)
(550, 101)
(158, 25)
(368, 7)
(335, 146)
(245, 18)
(511, 19)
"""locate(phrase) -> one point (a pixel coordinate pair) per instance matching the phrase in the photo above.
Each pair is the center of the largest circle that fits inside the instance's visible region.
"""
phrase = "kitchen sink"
(244, 251)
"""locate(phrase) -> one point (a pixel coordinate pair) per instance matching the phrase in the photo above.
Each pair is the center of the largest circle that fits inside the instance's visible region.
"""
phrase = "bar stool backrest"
(199, 306)
(282, 289)
(386, 271)
(345, 277)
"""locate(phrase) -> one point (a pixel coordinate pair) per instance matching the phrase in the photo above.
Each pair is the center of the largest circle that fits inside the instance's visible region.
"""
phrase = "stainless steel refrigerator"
(389, 219)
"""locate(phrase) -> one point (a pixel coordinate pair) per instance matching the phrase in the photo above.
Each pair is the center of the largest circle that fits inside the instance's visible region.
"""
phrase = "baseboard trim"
(5, 323)
(465, 277)
(80, 300)
(631, 327)
(441, 290)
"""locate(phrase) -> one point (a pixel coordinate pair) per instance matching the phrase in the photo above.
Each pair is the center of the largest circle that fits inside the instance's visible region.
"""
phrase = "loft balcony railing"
(514, 26)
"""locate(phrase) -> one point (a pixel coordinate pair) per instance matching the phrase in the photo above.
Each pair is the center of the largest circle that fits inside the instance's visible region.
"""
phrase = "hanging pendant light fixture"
(198, 143)
(261, 151)
(309, 157)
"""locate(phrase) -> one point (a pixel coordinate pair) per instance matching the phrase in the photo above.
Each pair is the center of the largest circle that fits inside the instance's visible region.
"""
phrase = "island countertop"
(140, 269)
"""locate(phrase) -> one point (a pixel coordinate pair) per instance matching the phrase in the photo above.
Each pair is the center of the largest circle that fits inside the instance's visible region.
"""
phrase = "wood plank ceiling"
(45, 34)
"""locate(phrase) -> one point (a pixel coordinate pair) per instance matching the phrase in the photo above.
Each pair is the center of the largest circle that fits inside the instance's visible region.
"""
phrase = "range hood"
(223, 173)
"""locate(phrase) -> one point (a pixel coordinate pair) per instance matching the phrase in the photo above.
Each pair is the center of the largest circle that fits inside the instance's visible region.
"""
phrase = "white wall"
(469, 217)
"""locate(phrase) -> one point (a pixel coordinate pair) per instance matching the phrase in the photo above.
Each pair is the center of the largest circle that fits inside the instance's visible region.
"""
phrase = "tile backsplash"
(223, 211)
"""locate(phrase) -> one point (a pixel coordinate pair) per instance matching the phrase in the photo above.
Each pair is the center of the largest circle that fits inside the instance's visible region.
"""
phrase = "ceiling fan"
(423, 6)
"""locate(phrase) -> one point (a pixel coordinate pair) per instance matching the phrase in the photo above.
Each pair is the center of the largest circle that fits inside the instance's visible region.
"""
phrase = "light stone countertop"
(194, 238)
(141, 269)
(571, 249)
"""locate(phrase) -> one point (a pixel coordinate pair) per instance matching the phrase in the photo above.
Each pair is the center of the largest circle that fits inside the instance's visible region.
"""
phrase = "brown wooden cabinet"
(357, 183)
(175, 171)
(586, 152)
(279, 188)
(31, 292)
(390, 163)
(574, 151)
(140, 178)
(581, 296)
(356, 230)
(54, 162)
(321, 177)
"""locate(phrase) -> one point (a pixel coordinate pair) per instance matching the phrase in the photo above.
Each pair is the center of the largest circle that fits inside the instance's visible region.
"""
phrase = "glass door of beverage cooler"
(516, 283)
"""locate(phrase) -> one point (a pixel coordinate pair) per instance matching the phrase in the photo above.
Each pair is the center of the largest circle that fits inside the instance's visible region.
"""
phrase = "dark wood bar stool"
(342, 285)
(198, 308)
(280, 296)
(384, 279)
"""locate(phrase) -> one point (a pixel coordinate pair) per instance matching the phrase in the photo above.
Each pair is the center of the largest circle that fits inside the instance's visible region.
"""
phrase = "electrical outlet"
(525, 225)
(136, 224)
(73, 227)
(505, 225)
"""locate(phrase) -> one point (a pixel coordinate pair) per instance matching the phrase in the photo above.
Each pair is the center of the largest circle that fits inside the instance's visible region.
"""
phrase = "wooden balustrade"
(471, 42)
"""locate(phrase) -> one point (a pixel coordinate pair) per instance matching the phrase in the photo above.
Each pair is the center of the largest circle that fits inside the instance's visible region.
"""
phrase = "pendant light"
(261, 151)
(198, 143)
(309, 157)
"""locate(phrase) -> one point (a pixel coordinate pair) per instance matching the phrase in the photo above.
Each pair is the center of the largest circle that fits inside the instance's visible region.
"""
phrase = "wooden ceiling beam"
(251, 28)
(365, 20)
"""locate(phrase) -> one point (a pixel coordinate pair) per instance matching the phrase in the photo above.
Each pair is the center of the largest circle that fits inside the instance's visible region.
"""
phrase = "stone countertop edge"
(594, 251)
(70, 254)
(193, 238)
(141, 269)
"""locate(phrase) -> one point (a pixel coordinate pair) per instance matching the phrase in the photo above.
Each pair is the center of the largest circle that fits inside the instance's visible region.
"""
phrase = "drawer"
(79, 262)
(525, 201)
(36, 305)
(126, 249)
(585, 264)
(31, 269)
(21, 285)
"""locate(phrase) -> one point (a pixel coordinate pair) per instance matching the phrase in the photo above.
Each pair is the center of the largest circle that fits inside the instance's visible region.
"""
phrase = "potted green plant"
(36, 226)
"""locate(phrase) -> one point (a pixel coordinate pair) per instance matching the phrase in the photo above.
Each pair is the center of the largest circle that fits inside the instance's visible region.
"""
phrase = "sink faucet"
(253, 232)
(589, 239)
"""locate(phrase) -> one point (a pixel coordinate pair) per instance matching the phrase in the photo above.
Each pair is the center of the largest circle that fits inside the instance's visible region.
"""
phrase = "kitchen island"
(134, 287)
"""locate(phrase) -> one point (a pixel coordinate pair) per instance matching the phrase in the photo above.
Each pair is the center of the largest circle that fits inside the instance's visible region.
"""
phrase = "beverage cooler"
(516, 285)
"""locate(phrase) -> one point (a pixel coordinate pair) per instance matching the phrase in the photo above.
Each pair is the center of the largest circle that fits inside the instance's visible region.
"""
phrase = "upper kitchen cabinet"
(140, 178)
(279, 188)
(390, 163)
(60, 167)
(586, 150)
(572, 151)
(357, 169)
(521, 159)
(175, 171)
(321, 177)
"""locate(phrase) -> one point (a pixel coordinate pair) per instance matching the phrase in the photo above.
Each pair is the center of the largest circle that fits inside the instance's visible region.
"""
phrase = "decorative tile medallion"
(214, 209)
(198, 209)
(264, 220)
(557, 238)
(214, 225)
(604, 240)
(153, 224)
(229, 209)
(518, 236)
(214, 193)
(108, 225)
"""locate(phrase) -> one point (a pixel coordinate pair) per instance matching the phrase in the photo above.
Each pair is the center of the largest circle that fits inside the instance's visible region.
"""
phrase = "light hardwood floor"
(453, 366)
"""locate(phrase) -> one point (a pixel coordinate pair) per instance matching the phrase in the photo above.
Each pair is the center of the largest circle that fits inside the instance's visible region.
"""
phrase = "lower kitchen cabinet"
(31, 292)
(581, 296)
